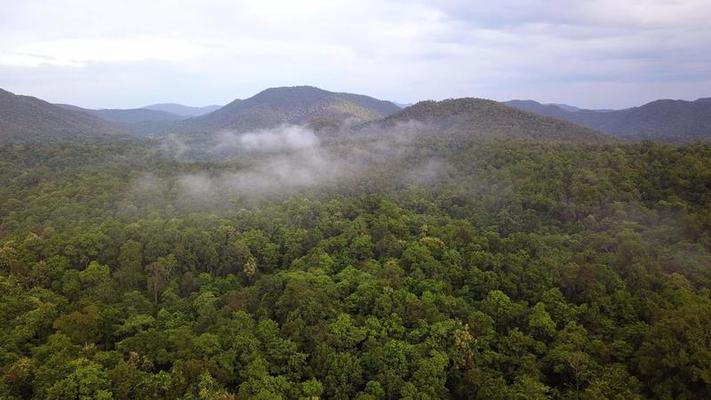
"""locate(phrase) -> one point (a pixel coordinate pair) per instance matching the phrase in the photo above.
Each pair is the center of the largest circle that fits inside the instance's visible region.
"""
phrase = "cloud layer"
(600, 54)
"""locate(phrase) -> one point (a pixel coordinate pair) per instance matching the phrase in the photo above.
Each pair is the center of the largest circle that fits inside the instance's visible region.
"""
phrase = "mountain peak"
(291, 105)
(490, 119)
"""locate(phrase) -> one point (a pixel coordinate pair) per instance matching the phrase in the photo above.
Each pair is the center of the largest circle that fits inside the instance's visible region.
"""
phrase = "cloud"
(286, 137)
(124, 54)
(296, 161)
(78, 52)
(287, 159)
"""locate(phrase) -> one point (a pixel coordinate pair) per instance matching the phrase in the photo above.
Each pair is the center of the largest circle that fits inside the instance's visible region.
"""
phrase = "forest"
(425, 268)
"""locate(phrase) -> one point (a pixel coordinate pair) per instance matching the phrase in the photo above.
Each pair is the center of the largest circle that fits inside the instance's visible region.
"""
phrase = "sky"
(130, 53)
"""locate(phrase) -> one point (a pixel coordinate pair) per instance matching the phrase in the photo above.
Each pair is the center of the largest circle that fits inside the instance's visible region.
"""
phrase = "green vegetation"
(520, 270)
(27, 119)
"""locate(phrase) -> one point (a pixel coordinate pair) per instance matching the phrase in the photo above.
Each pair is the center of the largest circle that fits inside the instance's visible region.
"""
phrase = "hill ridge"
(662, 119)
(290, 105)
(25, 118)
(491, 119)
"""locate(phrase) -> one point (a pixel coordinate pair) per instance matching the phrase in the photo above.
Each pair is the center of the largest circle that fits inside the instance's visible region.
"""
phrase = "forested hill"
(487, 118)
(25, 118)
(660, 120)
(289, 105)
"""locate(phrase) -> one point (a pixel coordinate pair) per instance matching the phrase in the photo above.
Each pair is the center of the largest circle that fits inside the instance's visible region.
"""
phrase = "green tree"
(130, 268)
(88, 381)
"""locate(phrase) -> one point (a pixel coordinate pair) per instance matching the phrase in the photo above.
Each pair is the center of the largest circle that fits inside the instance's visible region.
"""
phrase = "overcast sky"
(128, 53)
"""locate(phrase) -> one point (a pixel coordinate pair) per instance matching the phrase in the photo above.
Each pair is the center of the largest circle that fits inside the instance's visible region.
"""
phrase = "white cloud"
(79, 52)
(107, 53)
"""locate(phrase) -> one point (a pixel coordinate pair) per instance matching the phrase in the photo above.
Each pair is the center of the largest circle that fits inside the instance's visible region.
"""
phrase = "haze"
(601, 54)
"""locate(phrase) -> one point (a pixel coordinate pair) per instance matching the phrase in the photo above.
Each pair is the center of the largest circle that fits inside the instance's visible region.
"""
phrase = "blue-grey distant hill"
(183, 110)
(660, 120)
(135, 121)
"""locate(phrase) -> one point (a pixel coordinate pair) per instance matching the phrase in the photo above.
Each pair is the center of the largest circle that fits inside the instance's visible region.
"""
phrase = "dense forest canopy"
(373, 265)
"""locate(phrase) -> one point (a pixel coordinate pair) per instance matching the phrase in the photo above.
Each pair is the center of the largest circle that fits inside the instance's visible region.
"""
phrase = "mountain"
(135, 121)
(488, 119)
(290, 105)
(538, 108)
(183, 110)
(549, 110)
(662, 120)
(566, 107)
(127, 116)
(29, 118)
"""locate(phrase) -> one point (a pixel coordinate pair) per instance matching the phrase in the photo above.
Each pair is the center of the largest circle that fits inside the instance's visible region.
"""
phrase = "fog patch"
(197, 185)
(430, 172)
(289, 137)
(274, 174)
(289, 158)
(173, 145)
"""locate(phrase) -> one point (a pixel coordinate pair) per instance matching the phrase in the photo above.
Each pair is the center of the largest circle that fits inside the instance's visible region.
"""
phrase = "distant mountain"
(127, 116)
(549, 110)
(489, 119)
(291, 105)
(566, 107)
(534, 106)
(182, 110)
(134, 121)
(662, 120)
(25, 118)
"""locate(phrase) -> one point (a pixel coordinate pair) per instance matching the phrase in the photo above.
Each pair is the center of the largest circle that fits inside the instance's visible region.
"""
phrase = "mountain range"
(661, 120)
(29, 118)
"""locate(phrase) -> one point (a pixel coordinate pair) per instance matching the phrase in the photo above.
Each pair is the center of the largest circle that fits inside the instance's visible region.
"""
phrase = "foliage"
(528, 270)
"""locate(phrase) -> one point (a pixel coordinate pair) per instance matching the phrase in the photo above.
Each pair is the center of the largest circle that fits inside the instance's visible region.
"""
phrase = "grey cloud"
(398, 50)
(286, 137)
(284, 160)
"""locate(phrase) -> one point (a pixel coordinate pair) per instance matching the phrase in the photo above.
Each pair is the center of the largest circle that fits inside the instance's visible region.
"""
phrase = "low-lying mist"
(288, 158)
(283, 138)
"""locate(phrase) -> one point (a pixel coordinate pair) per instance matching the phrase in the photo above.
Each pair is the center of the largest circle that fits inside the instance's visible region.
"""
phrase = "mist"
(276, 174)
(282, 138)
(289, 158)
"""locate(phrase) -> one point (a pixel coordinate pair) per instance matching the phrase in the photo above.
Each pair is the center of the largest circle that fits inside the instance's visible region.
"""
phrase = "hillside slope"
(134, 121)
(127, 116)
(489, 119)
(24, 118)
(662, 120)
(290, 105)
